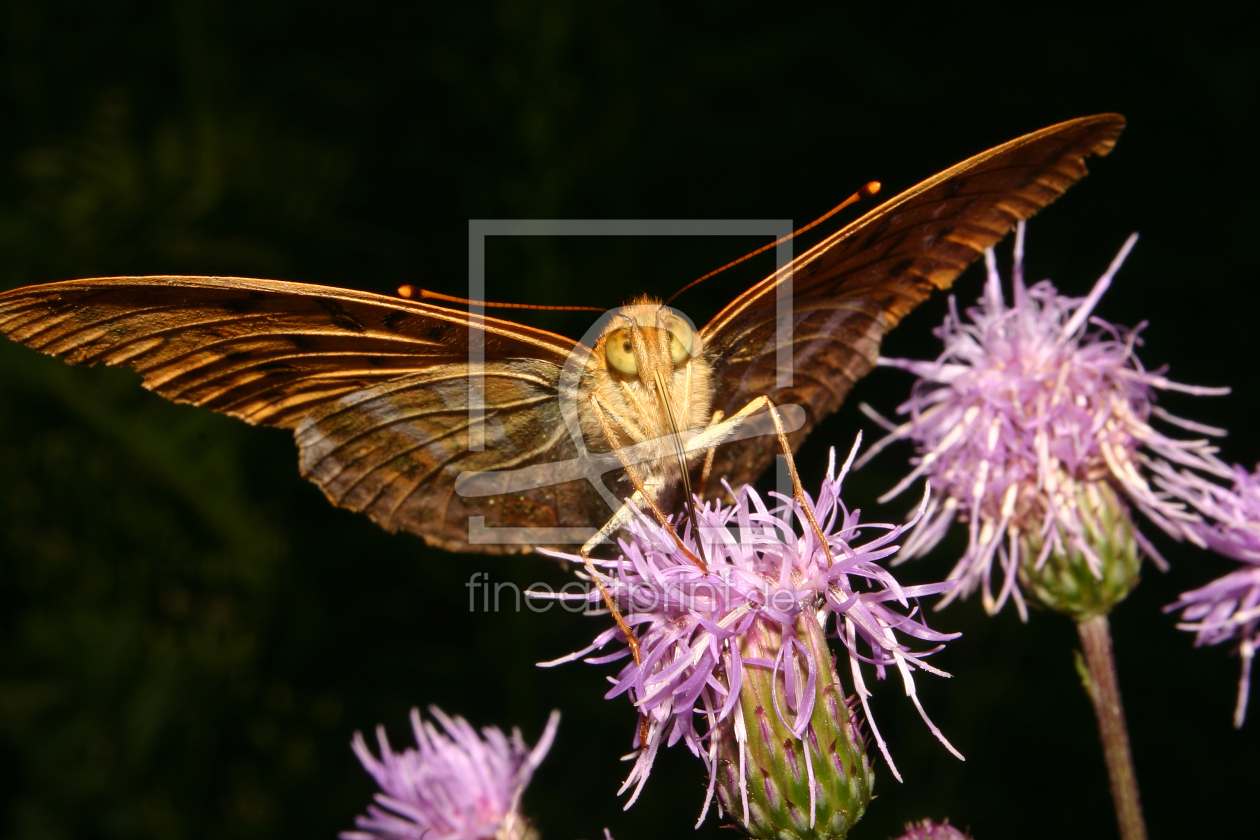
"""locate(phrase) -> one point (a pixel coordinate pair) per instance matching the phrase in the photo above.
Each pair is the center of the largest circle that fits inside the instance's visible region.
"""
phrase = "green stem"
(1104, 691)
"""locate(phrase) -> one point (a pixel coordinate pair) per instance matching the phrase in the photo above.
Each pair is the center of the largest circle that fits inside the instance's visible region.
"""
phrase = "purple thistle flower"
(1030, 414)
(928, 830)
(456, 785)
(1228, 608)
(763, 582)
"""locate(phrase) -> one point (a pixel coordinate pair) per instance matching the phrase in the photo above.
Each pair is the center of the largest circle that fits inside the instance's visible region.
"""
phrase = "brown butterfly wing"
(853, 287)
(301, 356)
(395, 450)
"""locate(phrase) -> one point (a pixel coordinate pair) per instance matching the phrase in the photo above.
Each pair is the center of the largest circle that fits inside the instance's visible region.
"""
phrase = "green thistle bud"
(1068, 582)
(764, 771)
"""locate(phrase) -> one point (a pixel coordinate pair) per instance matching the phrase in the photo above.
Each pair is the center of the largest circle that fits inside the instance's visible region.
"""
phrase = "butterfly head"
(646, 338)
(649, 366)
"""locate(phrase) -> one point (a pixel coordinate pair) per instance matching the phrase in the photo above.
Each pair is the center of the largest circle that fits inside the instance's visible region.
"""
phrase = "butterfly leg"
(632, 641)
(618, 520)
(642, 494)
(714, 434)
(708, 456)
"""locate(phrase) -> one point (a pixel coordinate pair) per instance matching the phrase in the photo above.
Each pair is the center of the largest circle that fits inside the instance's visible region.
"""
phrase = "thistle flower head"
(454, 785)
(928, 830)
(1035, 418)
(754, 623)
(1228, 608)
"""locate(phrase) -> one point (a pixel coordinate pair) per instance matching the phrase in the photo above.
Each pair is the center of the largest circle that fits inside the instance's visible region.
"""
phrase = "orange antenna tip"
(406, 292)
(870, 189)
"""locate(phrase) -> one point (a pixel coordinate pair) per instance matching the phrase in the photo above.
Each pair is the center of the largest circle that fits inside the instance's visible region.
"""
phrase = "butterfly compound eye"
(681, 339)
(620, 353)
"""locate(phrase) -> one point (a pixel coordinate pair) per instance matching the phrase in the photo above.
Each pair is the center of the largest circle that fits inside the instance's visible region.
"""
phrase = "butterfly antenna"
(411, 293)
(866, 191)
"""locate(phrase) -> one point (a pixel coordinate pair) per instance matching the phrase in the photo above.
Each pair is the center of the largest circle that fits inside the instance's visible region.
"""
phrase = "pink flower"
(1228, 608)
(454, 785)
(1029, 405)
(768, 594)
(928, 830)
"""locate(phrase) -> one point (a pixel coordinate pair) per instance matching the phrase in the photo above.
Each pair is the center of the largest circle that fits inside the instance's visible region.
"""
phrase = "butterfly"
(481, 434)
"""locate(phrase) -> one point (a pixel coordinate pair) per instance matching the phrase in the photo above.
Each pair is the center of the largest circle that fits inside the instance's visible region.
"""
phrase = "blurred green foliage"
(190, 633)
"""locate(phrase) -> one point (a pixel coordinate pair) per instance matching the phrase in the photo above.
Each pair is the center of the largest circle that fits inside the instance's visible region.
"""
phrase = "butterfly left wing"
(374, 387)
(853, 287)
(395, 451)
(265, 351)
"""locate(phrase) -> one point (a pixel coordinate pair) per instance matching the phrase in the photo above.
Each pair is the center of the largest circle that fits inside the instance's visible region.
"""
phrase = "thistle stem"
(1104, 692)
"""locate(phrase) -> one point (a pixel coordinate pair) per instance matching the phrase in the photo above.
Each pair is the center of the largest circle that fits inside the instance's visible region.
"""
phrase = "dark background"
(190, 633)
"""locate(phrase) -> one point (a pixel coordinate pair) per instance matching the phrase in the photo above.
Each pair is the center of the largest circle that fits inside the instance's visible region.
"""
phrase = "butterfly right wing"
(854, 286)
